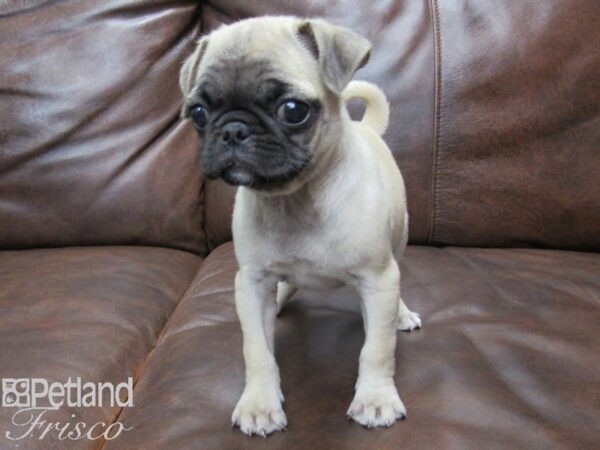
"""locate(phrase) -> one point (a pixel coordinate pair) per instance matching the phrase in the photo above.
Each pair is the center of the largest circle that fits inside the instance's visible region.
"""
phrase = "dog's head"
(264, 94)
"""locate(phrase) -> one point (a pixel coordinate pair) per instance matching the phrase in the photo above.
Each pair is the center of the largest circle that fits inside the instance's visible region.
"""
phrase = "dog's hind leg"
(407, 319)
(285, 292)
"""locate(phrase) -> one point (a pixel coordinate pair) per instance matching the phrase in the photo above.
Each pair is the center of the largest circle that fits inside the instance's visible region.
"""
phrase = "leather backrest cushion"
(495, 118)
(92, 150)
(517, 146)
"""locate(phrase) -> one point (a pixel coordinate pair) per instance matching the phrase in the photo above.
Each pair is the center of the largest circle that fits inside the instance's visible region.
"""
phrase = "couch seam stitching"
(433, 193)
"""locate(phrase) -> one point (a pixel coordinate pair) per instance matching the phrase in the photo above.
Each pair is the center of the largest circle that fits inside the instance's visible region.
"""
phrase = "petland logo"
(36, 398)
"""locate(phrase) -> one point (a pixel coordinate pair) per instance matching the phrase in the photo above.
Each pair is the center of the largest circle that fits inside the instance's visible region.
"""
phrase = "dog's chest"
(298, 242)
(308, 260)
(306, 274)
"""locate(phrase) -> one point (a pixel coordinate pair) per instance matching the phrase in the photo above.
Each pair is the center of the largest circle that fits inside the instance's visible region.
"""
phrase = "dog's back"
(372, 126)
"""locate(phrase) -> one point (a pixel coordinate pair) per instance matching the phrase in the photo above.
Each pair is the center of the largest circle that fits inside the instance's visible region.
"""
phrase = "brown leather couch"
(116, 257)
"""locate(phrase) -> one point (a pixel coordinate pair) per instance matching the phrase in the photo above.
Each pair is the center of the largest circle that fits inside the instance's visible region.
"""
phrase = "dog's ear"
(189, 73)
(340, 52)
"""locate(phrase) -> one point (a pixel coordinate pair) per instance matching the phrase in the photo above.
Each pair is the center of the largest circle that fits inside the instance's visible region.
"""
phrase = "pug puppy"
(321, 201)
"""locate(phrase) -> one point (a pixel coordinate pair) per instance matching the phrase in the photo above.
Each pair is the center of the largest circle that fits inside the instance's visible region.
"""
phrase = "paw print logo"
(15, 392)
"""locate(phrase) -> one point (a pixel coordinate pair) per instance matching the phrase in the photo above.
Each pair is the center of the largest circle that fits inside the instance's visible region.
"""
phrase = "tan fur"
(377, 111)
(341, 222)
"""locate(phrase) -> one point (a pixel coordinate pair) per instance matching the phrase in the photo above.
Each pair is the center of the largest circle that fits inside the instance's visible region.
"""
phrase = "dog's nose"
(235, 132)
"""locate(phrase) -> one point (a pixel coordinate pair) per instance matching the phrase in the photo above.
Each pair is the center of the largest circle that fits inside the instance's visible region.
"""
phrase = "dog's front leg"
(376, 401)
(259, 410)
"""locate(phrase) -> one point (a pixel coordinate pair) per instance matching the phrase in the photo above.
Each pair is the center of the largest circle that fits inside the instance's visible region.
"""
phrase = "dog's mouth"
(259, 175)
(238, 175)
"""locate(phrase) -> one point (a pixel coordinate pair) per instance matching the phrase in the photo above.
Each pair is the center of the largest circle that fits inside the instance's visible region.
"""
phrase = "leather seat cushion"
(508, 358)
(93, 313)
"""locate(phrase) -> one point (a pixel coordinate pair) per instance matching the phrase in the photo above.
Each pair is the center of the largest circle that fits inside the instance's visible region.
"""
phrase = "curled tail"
(377, 113)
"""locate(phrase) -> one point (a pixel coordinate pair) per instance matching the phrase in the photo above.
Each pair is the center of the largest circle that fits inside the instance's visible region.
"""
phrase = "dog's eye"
(199, 116)
(293, 112)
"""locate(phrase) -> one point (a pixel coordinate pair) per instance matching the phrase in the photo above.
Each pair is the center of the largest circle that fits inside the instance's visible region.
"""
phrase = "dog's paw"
(259, 411)
(409, 321)
(376, 405)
